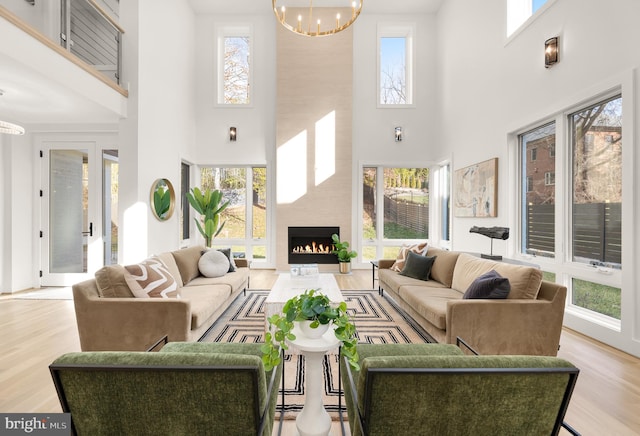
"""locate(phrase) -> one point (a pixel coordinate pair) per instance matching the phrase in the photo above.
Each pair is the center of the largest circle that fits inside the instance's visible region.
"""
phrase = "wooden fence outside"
(597, 230)
(413, 216)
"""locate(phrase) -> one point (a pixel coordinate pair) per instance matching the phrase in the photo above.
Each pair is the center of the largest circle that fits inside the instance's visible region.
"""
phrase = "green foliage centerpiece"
(315, 307)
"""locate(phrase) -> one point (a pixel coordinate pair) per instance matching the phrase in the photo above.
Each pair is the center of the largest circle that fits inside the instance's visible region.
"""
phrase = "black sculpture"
(493, 233)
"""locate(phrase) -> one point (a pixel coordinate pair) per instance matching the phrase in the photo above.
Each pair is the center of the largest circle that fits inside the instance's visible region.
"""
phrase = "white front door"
(75, 179)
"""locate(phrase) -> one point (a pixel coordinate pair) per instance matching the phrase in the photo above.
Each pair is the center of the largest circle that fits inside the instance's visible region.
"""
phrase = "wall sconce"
(233, 134)
(551, 52)
(398, 134)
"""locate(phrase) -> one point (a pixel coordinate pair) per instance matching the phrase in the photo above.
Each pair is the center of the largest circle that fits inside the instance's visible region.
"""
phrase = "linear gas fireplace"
(312, 245)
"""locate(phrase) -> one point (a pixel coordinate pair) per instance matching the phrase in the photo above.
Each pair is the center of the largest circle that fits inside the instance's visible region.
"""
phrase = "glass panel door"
(71, 231)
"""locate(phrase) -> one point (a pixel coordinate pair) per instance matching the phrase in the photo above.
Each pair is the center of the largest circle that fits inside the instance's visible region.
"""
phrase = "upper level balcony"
(62, 59)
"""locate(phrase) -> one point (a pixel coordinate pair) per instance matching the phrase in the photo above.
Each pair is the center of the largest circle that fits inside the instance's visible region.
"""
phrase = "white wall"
(255, 124)
(373, 127)
(159, 63)
(489, 86)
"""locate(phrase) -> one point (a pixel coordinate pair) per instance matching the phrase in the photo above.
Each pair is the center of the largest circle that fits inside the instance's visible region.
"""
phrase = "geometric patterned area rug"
(378, 320)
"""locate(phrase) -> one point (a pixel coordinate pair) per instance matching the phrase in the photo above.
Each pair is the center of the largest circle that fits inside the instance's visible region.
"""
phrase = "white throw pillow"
(213, 263)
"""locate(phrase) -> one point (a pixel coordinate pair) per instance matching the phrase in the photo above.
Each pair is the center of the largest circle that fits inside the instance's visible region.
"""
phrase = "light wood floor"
(606, 400)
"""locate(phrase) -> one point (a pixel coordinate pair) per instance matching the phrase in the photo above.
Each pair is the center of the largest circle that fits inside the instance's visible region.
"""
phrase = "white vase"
(312, 333)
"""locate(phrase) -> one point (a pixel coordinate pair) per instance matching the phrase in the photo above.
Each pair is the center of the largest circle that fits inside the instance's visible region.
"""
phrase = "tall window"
(596, 145)
(234, 71)
(395, 209)
(245, 218)
(395, 60)
(185, 210)
(538, 193)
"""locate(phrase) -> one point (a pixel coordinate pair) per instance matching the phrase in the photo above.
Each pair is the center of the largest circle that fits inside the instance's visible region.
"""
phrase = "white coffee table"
(287, 287)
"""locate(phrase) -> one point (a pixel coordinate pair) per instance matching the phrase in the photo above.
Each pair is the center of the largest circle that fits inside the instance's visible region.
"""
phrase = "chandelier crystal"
(309, 22)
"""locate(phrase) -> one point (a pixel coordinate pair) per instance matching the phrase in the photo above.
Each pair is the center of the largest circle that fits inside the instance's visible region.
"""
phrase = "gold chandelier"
(303, 20)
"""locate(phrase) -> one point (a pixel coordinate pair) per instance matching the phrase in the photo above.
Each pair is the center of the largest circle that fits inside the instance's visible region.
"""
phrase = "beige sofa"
(528, 321)
(109, 317)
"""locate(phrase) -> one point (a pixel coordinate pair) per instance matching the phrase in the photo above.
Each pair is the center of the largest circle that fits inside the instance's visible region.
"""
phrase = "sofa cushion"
(227, 252)
(111, 283)
(213, 263)
(151, 279)
(420, 248)
(442, 269)
(430, 303)
(417, 266)
(187, 261)
(525, 280)
(205, 301)
(395, 281)
(234, 281)
(489, 285)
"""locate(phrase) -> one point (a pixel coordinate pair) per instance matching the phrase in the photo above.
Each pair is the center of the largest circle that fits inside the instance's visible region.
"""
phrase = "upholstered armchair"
(185, 389)
(412, 389)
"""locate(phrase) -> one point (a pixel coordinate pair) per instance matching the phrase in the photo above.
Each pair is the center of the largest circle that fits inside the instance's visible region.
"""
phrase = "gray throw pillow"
(489, 285)
(417, 266)
(227, 252)
(213, 263)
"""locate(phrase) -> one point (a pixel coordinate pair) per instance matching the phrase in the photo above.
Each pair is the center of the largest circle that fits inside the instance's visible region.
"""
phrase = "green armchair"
(185, 389)
(414, 389)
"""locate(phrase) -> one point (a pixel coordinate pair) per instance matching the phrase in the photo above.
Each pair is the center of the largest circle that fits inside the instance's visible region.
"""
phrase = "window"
(597, 183)
(395, 65)
(245, 218)
(538, 196)
(234, 65)
(549, 178)
(519, 11)
(185, 210)
(395, 209)
(552, 150)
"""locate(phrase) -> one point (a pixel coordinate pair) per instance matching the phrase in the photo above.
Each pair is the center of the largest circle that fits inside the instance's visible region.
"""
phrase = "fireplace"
(312, 245)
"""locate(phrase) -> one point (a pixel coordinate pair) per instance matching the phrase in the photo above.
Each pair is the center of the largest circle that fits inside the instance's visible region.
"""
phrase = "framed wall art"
(476, 190)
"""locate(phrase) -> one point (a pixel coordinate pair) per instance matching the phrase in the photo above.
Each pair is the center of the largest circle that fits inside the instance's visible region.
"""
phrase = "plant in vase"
(341, 249)
(316, 309)
(209, 205)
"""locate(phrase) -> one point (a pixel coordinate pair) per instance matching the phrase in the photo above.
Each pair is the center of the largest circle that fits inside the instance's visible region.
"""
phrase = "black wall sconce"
(398, 134)
(233, 134)
(551, 52)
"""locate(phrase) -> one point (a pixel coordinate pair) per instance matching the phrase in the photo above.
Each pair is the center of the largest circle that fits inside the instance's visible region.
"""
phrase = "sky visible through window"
(537, 4)
(392, 70)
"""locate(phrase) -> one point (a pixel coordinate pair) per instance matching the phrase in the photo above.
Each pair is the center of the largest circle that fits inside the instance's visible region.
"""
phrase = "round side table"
(314, 419)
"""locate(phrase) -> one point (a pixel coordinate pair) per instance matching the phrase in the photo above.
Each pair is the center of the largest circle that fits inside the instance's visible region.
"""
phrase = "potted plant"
(341, 249)
(316, 309)
(209, 205)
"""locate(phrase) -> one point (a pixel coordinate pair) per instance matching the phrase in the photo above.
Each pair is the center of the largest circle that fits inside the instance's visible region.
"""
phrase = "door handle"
(90, 232)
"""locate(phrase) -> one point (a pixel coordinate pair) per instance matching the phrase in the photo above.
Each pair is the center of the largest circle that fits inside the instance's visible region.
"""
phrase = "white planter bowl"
(312, 333)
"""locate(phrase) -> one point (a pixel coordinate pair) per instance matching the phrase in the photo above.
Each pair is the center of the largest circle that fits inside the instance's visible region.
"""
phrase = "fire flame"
(312, 248)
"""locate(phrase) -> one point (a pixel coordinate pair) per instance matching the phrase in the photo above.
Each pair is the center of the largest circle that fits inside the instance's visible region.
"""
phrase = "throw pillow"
(489, 285)
(227, 252)
(417, 266)
(213, 263)
(420, 248)
(151, 279)
(187, 262)
(111, 282)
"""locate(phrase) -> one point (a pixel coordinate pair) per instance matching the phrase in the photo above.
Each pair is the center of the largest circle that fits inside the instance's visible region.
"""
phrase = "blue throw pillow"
(417, 266)
(489, 285)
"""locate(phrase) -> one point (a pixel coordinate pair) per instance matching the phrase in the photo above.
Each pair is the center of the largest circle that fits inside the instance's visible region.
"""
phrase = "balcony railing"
(87, 29)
